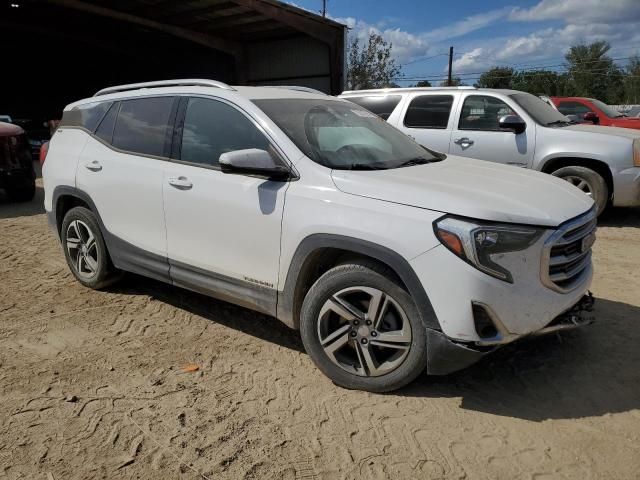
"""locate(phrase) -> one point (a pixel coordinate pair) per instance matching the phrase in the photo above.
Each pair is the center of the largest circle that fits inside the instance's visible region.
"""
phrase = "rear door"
(477, 133)
(121, 169)
(428, 120)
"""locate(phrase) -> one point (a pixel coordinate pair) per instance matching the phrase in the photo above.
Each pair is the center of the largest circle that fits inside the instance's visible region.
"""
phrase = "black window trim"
(406, 110)
(114, 105)
(482, 129)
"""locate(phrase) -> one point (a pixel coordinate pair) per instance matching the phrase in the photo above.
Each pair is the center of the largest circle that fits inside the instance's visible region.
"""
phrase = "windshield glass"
(342, 135)
(538, 109)
(606, 109)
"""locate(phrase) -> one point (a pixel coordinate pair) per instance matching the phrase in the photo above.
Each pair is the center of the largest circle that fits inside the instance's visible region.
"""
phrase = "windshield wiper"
(416, 161)
(363, 166)
(559, 123)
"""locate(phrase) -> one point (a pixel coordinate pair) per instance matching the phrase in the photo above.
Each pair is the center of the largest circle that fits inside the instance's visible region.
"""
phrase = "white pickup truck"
(515, 128)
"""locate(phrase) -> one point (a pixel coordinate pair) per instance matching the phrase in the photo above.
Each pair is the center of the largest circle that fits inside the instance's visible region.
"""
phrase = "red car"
(594, 111)
(17, 176)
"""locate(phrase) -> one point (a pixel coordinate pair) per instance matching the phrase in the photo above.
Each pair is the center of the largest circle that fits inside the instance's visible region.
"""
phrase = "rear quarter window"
(383, 106)
(86, 116)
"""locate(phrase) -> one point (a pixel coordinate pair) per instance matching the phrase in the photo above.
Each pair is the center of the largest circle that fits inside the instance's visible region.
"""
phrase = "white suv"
(387, 257)
(515, 128)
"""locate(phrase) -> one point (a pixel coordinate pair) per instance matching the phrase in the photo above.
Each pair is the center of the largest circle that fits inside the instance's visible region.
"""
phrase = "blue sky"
(528, 34)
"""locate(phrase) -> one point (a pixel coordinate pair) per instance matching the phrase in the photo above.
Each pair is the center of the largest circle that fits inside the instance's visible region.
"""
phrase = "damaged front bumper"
(447, 356)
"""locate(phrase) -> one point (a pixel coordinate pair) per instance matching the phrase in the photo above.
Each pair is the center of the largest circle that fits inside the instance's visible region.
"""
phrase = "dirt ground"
(92, 386)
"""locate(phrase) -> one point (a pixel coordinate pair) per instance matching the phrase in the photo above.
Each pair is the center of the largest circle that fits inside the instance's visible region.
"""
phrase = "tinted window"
(212, 128)
(573, 108)
(142, 125)
(538, 109)
(105, 129)
(87, 116)
(483, 113)
(429, 111)
(381, 106)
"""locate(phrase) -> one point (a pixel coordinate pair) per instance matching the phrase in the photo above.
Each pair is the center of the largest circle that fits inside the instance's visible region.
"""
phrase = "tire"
(85, 250)
(324, 319)
(589, 182)
(22, 194)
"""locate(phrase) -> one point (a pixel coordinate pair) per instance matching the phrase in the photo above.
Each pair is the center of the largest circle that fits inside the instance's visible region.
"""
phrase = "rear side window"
(212, 128)
(383, 106)
(429, 111)
(105, 129)
(86, 116)
(142, 125)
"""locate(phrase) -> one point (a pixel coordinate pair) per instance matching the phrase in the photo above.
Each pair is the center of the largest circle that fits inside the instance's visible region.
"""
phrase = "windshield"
(342, 135)
(539, 110)
(606, 109)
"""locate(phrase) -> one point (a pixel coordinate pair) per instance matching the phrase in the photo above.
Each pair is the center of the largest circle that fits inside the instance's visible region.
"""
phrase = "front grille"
(567, 253)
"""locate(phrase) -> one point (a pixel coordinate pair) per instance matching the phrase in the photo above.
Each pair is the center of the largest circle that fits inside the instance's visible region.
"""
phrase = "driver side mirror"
(591, 117)
(253, 161)
(512, 123)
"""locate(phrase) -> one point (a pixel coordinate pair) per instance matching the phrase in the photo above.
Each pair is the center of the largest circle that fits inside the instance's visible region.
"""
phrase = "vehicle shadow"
(589, 372)
(592, 371)
(232, 316)
(620, 217)
(11, 209)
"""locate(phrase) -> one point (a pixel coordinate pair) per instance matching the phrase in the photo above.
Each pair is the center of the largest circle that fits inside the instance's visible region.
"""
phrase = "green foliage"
(592, 72)
(631, 84)
(371, 65)
(423, 83)
(455, 82)
(497, 77)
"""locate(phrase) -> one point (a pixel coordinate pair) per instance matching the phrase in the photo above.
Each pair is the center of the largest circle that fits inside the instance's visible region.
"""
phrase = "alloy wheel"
(82, 249)
(580, 183)
(364, 331)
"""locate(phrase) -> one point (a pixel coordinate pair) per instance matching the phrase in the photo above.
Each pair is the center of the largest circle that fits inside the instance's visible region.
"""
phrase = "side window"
(429, 111)
(87, 116)
(212, 128)
(105, 129)
(383, 106)
(481, 112)
(142, 125)
(573, 108)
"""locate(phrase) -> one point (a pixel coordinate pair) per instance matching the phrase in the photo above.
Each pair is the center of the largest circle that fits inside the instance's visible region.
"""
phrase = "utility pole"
(324, 8)
(449, 81)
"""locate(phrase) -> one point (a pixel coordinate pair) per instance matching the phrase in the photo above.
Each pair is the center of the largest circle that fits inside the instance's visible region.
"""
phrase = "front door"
(223, 230)
(477, 133)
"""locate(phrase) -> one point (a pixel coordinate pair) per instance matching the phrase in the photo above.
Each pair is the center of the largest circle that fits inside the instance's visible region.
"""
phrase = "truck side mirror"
(591, 117)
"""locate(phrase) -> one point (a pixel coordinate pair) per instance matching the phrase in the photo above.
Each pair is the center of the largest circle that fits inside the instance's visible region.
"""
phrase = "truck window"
(573, 108)
(429, 111)
(383, 106)
(481, 112)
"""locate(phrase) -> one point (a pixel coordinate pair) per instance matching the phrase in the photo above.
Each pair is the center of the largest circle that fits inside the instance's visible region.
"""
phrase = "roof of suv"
(428, 89)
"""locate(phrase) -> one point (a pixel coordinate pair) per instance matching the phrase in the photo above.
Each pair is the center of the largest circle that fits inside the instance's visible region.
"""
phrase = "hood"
(617, 131)
(471, 188)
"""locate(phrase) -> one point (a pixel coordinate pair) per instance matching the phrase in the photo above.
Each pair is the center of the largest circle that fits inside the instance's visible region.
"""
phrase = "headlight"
(636, 152)
(478, 243)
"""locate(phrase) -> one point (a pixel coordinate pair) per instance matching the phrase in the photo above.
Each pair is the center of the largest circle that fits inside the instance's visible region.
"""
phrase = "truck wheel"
(85, 250)
(362, 329)
(24, 193)
(587, 180)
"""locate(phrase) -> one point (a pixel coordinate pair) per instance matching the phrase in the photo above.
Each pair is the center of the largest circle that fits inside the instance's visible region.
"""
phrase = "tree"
(632, 81)
(423, 83)
(455, 82)
(540, 82)
(592, 72)
(371, 65)
(497, 77)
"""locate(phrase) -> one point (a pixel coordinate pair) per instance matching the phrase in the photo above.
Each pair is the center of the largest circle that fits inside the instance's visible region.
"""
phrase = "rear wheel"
(362, 329)
(23, 193)
(85, 249)
(587, 180)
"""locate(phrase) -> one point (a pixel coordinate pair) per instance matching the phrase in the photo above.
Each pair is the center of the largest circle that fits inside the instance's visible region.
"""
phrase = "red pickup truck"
(594, 111)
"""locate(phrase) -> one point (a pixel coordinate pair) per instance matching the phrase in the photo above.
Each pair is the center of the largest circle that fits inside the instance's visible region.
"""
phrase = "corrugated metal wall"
(296, 61)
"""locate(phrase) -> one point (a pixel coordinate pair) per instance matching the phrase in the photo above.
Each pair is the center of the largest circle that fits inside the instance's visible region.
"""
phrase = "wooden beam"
(209, 41)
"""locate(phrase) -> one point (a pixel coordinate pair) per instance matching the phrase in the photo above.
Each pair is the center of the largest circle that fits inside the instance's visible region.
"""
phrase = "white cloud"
(580, 11)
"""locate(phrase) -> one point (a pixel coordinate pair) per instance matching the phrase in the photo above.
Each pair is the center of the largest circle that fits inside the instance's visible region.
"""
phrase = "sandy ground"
(91, 386)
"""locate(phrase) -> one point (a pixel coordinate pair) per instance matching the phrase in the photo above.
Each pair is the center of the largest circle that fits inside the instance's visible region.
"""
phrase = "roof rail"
(296, 88)
(165, 83)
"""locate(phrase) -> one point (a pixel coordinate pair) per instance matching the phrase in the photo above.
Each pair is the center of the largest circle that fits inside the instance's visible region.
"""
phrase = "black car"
(17, 176)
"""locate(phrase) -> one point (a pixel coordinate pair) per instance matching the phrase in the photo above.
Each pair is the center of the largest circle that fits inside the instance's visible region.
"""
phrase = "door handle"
(181, 183)
(464, 142)
(93, 166)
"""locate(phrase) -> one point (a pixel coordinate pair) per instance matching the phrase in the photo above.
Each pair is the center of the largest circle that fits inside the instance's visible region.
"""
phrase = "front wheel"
(362, 329)
(587, 180)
